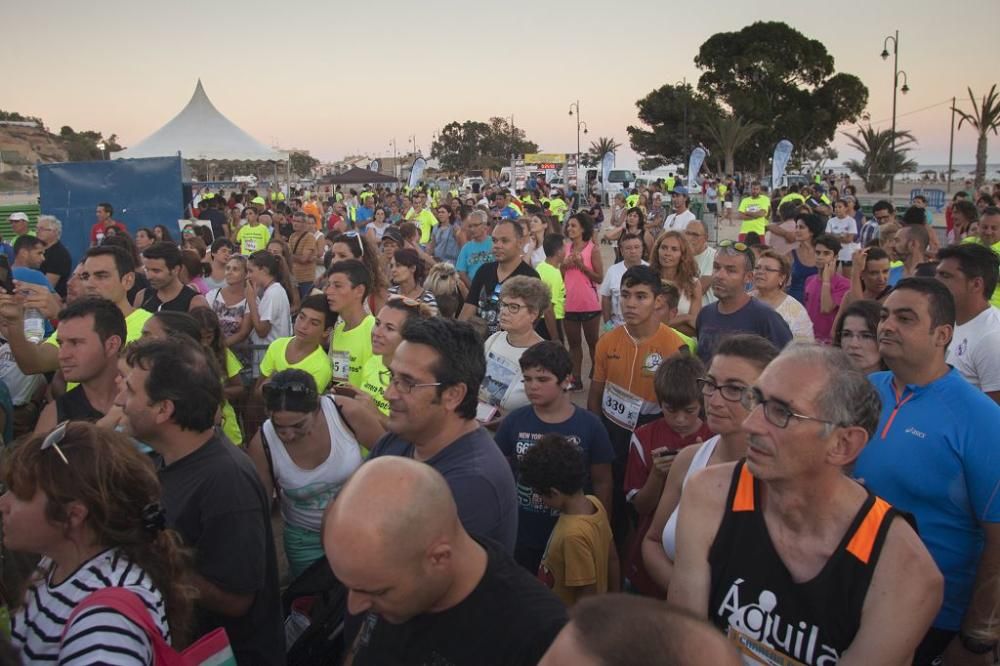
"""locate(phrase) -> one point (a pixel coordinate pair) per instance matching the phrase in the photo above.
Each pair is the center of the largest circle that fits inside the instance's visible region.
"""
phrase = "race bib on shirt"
(620, 406)
(341, 364)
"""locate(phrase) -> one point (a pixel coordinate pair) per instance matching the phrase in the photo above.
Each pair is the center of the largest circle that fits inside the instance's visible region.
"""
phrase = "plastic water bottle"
(34, 325)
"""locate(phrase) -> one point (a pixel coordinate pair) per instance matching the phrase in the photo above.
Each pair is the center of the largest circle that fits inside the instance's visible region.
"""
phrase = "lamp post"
(413, 143)
(951, 144)
(579, 124)
(895, 86)
(395, 159)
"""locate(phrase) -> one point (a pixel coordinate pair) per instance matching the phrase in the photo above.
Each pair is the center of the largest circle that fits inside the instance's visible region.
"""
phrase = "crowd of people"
(783, 452)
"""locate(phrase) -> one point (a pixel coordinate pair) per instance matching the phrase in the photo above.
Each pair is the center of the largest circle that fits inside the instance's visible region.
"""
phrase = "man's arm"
(595, 396)
(550, 323)
(606, 308)
(197, 302)
(31, 358)
(46, 420)
(702, 507)
(904, 596)
(214, 598)
(985, 597)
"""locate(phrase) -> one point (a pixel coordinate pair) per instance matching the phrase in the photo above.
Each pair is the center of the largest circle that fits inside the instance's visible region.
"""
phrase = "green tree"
(595, 153)
(878, 159)
(478, 145)
(792, 90)
(83, 146)
(17, 117)
(302, 164)
(728, 134)
(663, 113)
(984, 117)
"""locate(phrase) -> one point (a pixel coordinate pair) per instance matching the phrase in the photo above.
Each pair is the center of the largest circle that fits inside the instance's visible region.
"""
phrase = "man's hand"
(11, 309)
(39, 297)
(858, 262)
(663, 460)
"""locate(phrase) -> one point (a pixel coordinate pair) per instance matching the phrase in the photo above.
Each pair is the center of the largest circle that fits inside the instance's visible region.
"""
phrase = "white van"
(618, 181)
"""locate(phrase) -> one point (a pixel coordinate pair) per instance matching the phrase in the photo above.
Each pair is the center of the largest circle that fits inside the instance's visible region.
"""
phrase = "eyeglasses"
(730, 392)
(404, 385)
(765, 269)
(512, 308)
(53, 438)
(296, 388)
(777, 413)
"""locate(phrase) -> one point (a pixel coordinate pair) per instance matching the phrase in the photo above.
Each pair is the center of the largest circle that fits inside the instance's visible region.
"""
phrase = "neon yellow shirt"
(253, 238)
(374, 378)
(791, 196)
(558, 207)
(316, 363)
(350, 350)
(749, 205)
(427, 222)
(631, 200)
(230, 424)
(692, 343)
(552, 277)
(133, 331)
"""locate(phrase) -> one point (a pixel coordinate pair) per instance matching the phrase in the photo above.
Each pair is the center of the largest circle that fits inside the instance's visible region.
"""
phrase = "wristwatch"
(976, 646)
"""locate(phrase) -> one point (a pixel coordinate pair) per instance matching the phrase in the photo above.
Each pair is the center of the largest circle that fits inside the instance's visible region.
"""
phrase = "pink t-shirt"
(581, 293)
(823, 323)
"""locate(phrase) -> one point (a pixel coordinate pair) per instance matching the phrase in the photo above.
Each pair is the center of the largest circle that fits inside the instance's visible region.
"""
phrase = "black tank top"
(74, 406)
(764, 611)
(180, 303)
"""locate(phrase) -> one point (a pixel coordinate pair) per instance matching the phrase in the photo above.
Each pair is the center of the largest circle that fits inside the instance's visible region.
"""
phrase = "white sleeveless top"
(305, 493)
(699, 462)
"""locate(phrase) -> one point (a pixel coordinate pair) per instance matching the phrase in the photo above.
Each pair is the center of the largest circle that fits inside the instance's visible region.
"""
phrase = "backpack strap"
(270, 461)
(122, 601)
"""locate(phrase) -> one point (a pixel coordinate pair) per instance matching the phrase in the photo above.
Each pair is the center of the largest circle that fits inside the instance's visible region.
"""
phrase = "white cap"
(17, 217)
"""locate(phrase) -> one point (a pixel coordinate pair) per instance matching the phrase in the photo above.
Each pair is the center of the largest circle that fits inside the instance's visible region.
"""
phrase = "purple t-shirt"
(823, 323)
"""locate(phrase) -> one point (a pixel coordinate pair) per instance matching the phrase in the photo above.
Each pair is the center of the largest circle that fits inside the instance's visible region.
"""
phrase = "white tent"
(201, 132)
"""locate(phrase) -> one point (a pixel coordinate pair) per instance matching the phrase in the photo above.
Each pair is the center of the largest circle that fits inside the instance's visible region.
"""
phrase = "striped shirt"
(98, 634)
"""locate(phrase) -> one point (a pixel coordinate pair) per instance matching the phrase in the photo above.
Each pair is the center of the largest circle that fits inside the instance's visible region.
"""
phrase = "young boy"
(348, 284)
(580, 557)
(546, 367)
(825, 290)
(653, 449)
(550, 326)
(303, 350)
(253, 235)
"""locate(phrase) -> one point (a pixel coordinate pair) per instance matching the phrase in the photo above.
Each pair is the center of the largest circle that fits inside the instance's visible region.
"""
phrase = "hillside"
(31, 145)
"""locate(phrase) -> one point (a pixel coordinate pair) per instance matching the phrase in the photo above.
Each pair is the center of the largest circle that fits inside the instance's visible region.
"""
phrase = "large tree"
(668, 137)
(302, 164)
(478, 145)
(984, 118)
(877, 157)
(771, 74)
(82, 146)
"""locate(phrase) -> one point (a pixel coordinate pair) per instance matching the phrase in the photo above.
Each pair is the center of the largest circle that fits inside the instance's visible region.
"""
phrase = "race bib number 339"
(620, 406)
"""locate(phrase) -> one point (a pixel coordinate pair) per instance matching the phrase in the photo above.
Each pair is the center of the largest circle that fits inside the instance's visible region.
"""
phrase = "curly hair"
(687, 267)
(535, 293)
(116, 484)
(554, 463)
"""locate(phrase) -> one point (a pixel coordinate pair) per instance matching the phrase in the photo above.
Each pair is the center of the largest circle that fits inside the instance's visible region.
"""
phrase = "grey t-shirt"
(480, 480)
(754, 317)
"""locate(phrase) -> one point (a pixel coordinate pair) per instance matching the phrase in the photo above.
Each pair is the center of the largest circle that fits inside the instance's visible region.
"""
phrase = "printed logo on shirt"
(963, 347)
(764, 637)
(916, 433)
(651, 363)
(527, 498)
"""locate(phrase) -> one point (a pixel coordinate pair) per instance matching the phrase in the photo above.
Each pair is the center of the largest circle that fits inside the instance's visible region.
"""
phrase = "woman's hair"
(814, 223)
(193, 264)
(121, 492)
(147, 231)
(125, 242)
(870, 311)
(165, 232)
(753, 348)
(196, 243)
(179, 323)
(209, 323)
(687, 267)
(784, 265)
(291, 390)
(642, 218)
(276, 268)
(362, 249)
(409, 258)
(443, 282)
(535, 293)
(586, 223)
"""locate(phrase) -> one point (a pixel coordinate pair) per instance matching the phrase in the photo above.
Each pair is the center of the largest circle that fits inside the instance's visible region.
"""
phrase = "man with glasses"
(786, 553)
(736, 311)
(58, 264)
(696, 234)
(935, 455)
(212, 495)
(433, 389)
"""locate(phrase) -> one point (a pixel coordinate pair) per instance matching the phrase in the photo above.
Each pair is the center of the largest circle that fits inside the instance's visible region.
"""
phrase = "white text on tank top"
(305, 493)
(698, 463)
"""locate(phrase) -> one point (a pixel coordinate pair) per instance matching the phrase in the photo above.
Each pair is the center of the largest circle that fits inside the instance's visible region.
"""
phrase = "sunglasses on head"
(357, 236)
(740, 247)
(53, 439)
(295, 388)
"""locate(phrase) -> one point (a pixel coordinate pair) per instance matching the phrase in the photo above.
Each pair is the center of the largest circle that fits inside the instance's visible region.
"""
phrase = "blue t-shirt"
(754, 317)
(935, 455)
(473, 255)
(32, 276)
(479, 478)
(519, 431)
(363, 214)
(800, 273)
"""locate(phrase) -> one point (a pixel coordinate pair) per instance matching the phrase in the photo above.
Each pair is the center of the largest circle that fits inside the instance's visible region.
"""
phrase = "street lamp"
(895, 86)
(579, 124)
(413, 143)
(395, 160)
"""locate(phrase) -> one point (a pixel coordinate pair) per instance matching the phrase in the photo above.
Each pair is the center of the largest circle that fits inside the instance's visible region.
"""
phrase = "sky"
(345, 78)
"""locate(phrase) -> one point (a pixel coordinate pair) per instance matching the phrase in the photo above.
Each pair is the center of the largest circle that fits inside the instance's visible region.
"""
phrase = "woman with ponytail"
(86, 501)
(268, 300)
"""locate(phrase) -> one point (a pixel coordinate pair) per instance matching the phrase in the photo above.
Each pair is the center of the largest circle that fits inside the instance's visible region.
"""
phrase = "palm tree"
(984, 117)
(729, 133)
(605, 144)
(878, 160)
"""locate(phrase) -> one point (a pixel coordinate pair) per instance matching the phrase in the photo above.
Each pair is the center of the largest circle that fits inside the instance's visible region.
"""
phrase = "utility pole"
(951, 143)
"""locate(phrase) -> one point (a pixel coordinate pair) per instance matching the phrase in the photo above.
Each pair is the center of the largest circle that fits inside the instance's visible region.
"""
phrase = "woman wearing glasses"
(738, 362)
(305, 452)
(770, 275)
(86, 501)
(856, 333)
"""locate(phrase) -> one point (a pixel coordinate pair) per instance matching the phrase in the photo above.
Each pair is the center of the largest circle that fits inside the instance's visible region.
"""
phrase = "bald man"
(638, 631)
(430, 592)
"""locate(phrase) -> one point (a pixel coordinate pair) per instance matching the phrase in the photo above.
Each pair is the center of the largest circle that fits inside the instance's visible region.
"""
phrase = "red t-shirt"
(99, 228)
(640, 461)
